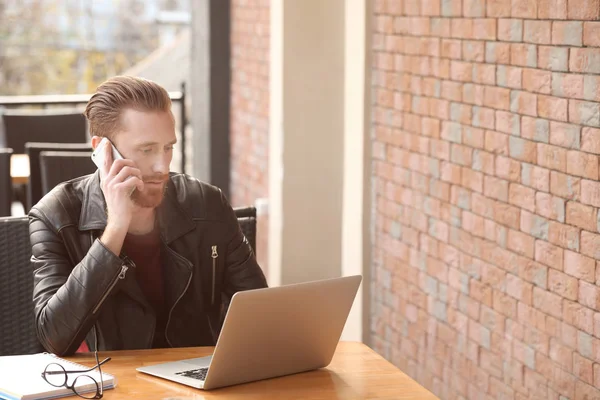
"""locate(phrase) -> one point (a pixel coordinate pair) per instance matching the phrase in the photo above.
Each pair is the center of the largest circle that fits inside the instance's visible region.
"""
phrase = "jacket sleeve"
(67, 297)
(242, 272)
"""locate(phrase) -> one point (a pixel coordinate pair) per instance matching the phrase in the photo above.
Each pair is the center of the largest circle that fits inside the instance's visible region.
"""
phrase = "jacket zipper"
(187, 285)
(119, 277)
(214, 256)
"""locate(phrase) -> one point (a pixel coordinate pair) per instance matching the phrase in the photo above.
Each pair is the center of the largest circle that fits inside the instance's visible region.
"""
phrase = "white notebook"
(21, 377)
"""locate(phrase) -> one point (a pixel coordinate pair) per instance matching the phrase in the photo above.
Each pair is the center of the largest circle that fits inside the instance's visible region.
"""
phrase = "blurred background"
(447, 150)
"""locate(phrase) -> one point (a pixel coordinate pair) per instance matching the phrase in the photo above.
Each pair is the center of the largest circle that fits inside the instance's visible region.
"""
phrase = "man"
(133, 256)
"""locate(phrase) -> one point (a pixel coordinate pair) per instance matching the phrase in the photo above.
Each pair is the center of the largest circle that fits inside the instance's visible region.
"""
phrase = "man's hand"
(118, 181)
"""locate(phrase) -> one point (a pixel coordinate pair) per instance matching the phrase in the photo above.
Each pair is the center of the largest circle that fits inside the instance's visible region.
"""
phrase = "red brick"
(563, 285)
(451, 91)
(496, 97)
(561, 354)
(584, 59)
(579, 266)
(565, 186)
(567, 33)
(496, 52)
(521, 243)
(552, 108)
(547, 302)
(519, 289)
(484, 29)
(584, 391)
(562, 235)
(524, 9)
(536, 80)
(524, 150)
(508, 122)
(583, 368)
(582, 216)
(538, 32)
(450, 173)
(565, 135)
(510, 77)
(549, 206)
(507, 168)
(461, 155)
(584, 9)
(589, 295)
(567, 85)
(472, 94)
(504, 304)
(451, 48)
(590, 140)
(552, 9)
(552, 157)
(495, 188)
(591, 34)
(506, 214)
(498, 8)
(549, 254)
(523, 55)
(473, 223)
(553, 58)
(582, 164)
(473, 50)
(510, 30)
(535, 177)
(522, 196)
(496, 142)
(590, 244)
(584, 112)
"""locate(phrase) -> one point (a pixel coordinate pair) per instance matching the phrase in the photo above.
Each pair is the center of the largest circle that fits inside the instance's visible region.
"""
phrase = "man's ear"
(96, 141)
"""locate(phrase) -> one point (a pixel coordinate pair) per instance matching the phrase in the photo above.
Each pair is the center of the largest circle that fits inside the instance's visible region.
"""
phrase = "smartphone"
(98, 153)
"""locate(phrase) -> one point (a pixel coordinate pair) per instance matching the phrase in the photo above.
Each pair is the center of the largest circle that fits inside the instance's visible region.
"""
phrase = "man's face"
(147, 138)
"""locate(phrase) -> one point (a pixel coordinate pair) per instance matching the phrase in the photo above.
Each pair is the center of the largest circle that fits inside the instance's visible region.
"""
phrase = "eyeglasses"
(83, 385)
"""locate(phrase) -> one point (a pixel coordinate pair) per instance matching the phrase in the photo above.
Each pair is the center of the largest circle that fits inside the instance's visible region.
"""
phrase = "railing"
(76, 99)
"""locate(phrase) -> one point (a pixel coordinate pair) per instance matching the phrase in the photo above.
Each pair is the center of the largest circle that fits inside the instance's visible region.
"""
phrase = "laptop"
(270, 332)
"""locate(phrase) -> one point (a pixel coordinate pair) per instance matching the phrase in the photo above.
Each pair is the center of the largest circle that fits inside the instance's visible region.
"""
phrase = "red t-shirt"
(144, 251)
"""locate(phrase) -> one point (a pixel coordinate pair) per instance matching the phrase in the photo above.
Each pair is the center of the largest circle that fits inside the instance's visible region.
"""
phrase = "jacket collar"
(173, 221)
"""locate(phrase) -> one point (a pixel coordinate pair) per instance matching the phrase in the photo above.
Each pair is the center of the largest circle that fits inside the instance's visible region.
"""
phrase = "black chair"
(17, 329)
(21, 127)
(33, 150)
(60, 166)
(247, 220)
(6, 188)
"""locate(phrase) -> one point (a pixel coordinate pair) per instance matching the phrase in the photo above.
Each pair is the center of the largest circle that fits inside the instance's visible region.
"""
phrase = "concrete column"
(306, 140)
(318, 173)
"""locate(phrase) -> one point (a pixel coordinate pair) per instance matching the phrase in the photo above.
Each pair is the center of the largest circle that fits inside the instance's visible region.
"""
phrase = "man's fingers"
(127, 172)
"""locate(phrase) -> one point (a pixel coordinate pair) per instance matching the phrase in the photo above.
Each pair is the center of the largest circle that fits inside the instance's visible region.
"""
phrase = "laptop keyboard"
(199, 373)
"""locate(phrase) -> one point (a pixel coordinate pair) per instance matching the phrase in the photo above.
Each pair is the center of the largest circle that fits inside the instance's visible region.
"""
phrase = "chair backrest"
(21, 127)
(6, 189)
(17, 329)
(247, 219)
(33, 150)
(60, 166)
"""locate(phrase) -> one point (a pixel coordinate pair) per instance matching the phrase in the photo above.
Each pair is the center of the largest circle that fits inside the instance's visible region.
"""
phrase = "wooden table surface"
(356, 372)
(19, 168)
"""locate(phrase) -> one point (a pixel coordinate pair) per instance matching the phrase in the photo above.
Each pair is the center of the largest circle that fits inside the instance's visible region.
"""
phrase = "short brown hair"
(112, 97)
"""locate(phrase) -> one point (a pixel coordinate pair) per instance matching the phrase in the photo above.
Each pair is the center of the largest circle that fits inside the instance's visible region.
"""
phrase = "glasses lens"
(85, 387)
(55, 375)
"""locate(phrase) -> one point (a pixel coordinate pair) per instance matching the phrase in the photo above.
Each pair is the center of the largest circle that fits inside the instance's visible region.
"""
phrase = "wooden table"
(356, 372)
(19, 168)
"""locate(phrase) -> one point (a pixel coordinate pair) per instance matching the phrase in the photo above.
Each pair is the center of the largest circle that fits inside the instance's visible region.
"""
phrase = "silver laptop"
(271, 332)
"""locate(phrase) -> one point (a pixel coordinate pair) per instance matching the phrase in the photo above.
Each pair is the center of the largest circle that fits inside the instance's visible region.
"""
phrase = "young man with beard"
(134, 256)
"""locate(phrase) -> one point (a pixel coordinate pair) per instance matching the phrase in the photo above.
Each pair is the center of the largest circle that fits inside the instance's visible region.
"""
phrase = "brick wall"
(486, 195)
(250, 109)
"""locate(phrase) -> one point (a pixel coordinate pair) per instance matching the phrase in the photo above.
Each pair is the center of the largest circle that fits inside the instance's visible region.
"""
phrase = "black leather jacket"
(84, 291)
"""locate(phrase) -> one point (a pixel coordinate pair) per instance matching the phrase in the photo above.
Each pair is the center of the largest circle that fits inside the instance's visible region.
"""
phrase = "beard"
(151, 197)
